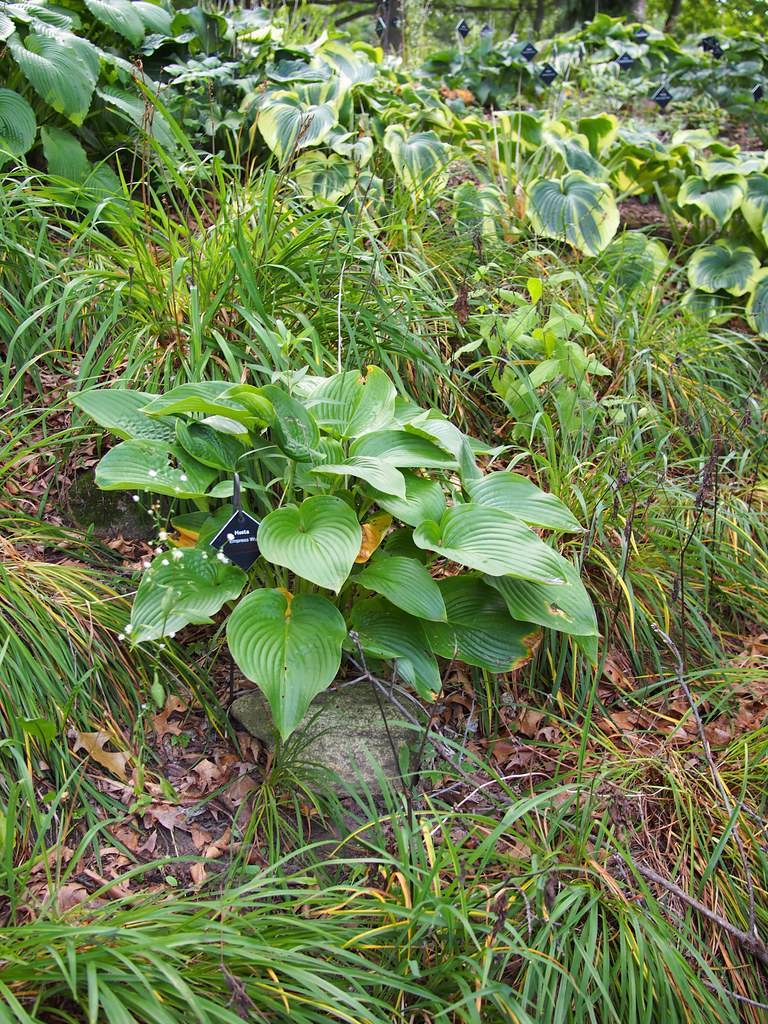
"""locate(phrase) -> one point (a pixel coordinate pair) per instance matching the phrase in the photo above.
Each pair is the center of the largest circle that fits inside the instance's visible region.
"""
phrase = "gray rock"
(343, 731)
(109, 513)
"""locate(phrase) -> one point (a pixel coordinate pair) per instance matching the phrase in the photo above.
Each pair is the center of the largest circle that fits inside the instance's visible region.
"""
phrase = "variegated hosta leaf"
(573, 150)
(479, 630)
(17, 124)
(708, 306)
(479, 209)
(574, 209)
(634, 260)
(600, 131)
(419, 160)
(719, 198)
(356, 148)
(723, 267)
(60, 67)
(287, 124)
(755, 205)
(319, 540)
(328, 178)
(290, 646)
(183, 586)
(757, 306)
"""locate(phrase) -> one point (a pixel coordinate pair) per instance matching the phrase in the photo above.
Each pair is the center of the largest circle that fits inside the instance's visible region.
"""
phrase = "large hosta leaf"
(379, 474)
(574, 209)
(287, 124)
(387, 632)
(350, 404)
(182, 587)
(424, 499)
(479, 630)
(289, 646)
(515, 493)
(319, 540)
(209, 446)
(600, 131)
(419, 159)
(757, 306)
(633, 260)
(294, 428)
(402, 449)
(120, 16)
(121, 412)
(207, 397)
(146, 466)
(755, 205)
(480, 210)
(719, 198)
(325, 177)
(567, 607)
(405, 583)
(723, 267)
(60, 67)
(492, 541)
(17, 124)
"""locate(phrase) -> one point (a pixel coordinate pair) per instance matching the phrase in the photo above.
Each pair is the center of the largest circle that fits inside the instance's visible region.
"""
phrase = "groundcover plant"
(417, 401)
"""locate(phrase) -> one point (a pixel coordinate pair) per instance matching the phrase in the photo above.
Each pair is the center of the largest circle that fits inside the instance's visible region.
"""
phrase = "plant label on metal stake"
(757, 92)
(708, 42)
(237, 540)
(463, 29)
(662, 96)
(625, 61)
(547, 74)
(529, 51)
(381, 27)
(642, 35)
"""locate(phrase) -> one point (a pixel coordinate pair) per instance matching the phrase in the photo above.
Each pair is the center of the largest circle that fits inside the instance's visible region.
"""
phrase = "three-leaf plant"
(378, 533)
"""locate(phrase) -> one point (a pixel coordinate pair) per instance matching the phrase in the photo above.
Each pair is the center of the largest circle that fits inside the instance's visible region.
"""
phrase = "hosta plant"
(378, 533)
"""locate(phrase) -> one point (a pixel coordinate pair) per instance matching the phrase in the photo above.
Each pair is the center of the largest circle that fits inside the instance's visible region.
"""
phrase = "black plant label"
(238, 541)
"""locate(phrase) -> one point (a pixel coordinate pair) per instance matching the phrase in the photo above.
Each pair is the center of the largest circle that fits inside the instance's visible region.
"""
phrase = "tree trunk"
(672, 15)
(538, 16)
(392, 40)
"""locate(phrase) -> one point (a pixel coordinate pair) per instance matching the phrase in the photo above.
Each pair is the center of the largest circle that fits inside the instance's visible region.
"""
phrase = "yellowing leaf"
(373, 534)
(93, 744)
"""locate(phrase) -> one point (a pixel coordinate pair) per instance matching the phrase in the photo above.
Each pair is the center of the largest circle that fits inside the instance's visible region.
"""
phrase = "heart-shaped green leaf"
(61, 67)
(121, 412)
(318, 541)
(289, 646)
(492, 541)
(405, 583)
(349, 405)
(387, 632)
(419, 159)
(479, 630)
(288, 124)
(424, 499)
(401, 449)
(719, 198)
(516, 494)
(182, 586)
(120, 16)
(566, 608)
(17, 124)
(574, 209)
(378, 474)
(146, 466)
(723, 267)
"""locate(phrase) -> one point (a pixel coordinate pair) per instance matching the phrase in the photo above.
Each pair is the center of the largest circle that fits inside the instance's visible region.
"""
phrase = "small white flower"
(153, 472)
(222, 557)
(177, 554)
(128, 628)
(204, 556)
(135, 497)
(161, 646)
(147, 565)
(121, 636)
(158, 551)
(165, 562)
(162, 535)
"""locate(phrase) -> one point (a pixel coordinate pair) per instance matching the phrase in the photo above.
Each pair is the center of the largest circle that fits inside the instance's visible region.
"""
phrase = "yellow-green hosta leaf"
(146, 466)
(61, 67)
(757, 306)
(406, 584)
(719, 198)
(287, 124)
(380, 475)
(491, 541)
(755, 205)
(349, 404)
(182, 587)
(566, 608)
(388, 632)
(723, 267)
(424, 499)
(328, 178)
(290, 646)
(17, 124)
(600, 131)
(479, 630)
(122, 412)
(574, 209)
(419, 159)
(319, 540)
(516, 494)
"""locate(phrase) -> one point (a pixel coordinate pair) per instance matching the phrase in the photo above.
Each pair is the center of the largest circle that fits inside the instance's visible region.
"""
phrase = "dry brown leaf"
(198, 873)
(373, 533)
(160, 721)
(93, 744)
